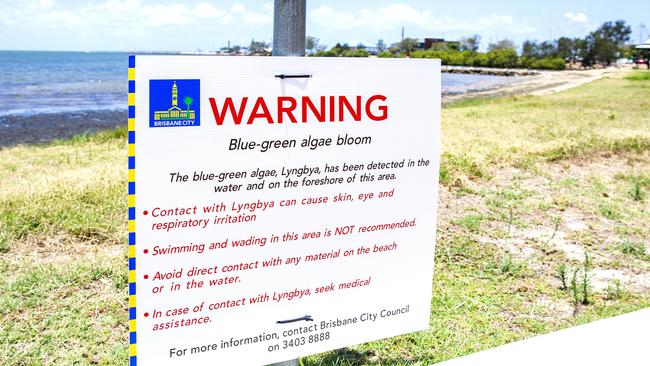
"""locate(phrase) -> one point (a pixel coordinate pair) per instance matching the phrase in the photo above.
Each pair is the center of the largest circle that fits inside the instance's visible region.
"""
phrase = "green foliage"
(408, 44)
(502, 45)
(636, 192)
(470, 43)
(323, 53)
(547, 63)
(639, 76)
(506, 58)
(610, 210)
(562, 276)
(342, 52)
(575, 289)
(311, 42)
(632, 248)
(455, 166)
(188, 101)
(605, 43)
(470, 222)
(385, 54)
(586, 266)
(355, 53)
(510, 267)
(615, 290)
(580, 287)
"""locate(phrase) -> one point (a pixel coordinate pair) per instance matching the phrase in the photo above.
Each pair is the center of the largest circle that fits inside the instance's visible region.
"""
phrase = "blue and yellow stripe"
(131, 226)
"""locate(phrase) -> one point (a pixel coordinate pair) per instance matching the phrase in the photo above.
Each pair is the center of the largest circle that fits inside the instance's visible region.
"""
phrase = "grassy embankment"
(531, 184)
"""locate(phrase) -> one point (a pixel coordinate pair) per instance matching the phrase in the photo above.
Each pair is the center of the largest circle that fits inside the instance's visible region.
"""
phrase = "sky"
(174, 25)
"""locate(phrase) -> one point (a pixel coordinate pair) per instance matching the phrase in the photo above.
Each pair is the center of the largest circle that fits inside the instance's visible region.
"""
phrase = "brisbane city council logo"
(174, 103)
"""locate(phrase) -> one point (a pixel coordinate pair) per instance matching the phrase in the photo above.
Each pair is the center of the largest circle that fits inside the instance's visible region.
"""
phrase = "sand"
(547, 82)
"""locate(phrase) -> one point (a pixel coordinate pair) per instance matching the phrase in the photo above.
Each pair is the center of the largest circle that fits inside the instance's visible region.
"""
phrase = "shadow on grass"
(342, 357)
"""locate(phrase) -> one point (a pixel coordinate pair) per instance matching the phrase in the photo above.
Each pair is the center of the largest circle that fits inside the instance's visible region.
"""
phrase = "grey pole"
(289, 35)
(289, 27)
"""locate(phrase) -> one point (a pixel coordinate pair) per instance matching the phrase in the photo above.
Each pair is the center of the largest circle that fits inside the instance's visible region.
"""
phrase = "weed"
(562, 275)
(454, 166)
(637, 192)
(509, 266)
(628, 247)
(510, 220)
(585, 280)
(609, 209)
(4, 241)
(470, 222)
(614, 290)
(575, 289)
(557, 221)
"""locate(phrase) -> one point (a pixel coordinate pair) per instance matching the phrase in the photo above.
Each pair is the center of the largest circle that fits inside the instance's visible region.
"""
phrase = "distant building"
(438, 42)
(429, 42)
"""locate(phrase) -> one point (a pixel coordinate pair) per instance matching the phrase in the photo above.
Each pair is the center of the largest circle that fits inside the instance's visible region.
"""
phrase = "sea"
(33, 83)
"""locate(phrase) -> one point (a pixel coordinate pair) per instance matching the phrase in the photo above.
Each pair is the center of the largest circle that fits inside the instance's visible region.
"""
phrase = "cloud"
(251, 17)
(390, 16)
(122, 17)
(577, 17)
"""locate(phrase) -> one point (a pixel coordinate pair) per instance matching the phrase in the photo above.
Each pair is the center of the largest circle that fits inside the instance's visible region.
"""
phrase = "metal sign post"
(289, 22)
(289, 28)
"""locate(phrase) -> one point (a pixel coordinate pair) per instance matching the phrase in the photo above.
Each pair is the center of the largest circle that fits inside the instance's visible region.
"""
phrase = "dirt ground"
(558, 213)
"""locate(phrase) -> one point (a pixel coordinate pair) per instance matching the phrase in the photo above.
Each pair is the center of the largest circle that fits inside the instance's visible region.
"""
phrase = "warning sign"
(278, 207)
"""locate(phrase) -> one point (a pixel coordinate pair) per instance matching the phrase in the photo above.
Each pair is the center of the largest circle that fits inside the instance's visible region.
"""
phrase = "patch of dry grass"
(611, 114)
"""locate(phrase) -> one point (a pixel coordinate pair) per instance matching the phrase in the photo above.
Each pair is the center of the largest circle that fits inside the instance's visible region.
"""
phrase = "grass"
(632, 248)
(62, 228)
(639, 76)
(520, 130)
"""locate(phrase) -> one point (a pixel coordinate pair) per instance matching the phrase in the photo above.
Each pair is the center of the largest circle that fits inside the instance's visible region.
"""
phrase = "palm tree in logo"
(188, 102)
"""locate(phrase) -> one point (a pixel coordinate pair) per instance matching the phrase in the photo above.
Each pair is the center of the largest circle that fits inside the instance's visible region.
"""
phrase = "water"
(33, 83)
(56, 82)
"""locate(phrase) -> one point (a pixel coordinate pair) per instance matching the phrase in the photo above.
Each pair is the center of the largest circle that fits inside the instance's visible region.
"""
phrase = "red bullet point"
(145, 212)
(146, 277)
(146, 251)
(146, 315)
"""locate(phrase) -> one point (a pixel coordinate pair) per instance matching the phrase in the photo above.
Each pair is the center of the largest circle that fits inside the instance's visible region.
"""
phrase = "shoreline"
(542, 83)
(45, 128)
(488, 71)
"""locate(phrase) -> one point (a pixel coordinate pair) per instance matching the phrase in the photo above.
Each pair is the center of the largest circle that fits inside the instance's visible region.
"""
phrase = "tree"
(605, 43)
(258, 47)
(565, 48)
(408, 44)
(338, 48)
(529, 49)
(547, 49)
(504, 44)
(579, 49)
(381, 46)
(188, 102)
(311, 43)
(470, 43)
